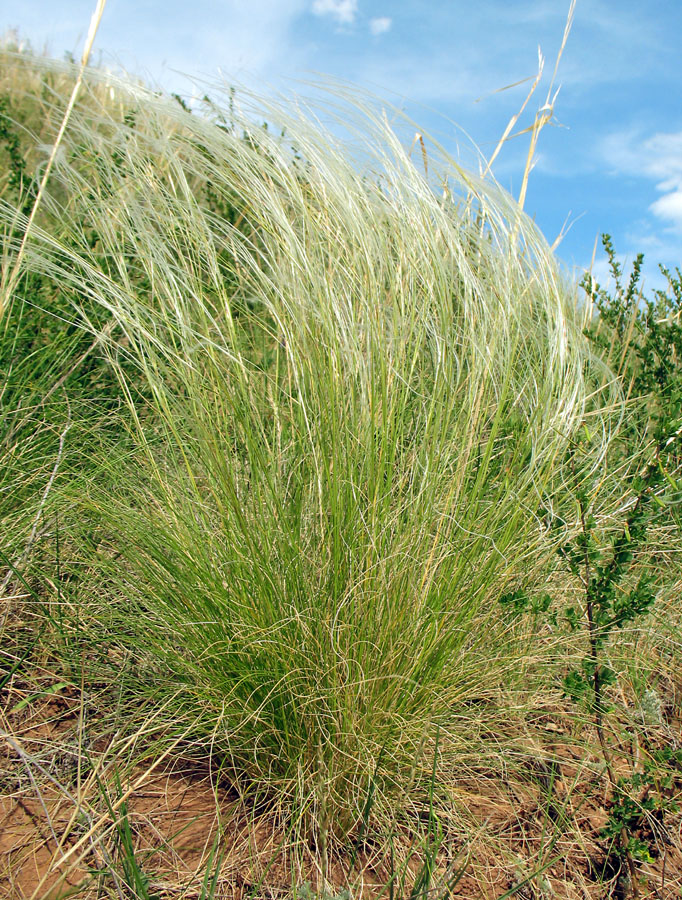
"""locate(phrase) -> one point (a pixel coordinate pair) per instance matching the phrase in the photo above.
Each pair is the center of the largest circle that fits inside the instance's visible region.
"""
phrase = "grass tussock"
(323, 412)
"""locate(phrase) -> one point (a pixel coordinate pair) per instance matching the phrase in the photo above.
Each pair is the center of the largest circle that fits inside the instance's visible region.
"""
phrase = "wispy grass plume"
(360, 384)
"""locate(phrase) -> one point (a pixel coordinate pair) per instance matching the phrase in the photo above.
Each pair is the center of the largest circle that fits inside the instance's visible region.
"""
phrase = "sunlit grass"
(351, 389)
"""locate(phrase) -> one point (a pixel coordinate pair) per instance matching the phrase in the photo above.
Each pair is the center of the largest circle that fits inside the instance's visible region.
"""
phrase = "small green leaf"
(53, 689)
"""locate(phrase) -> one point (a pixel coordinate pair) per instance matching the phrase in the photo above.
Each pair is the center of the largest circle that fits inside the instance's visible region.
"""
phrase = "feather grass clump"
(359, 386)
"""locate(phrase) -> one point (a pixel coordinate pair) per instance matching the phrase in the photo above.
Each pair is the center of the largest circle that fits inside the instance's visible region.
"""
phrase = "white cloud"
(344, 11)
(658, 157)
(669, 207)
(245, 41)
(380, 25)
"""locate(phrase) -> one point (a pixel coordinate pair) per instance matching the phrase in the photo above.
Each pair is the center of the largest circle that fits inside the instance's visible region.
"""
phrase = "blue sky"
(611, 162)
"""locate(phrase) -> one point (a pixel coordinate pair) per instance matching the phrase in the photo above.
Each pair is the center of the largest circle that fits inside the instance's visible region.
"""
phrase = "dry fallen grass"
(85, 805)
